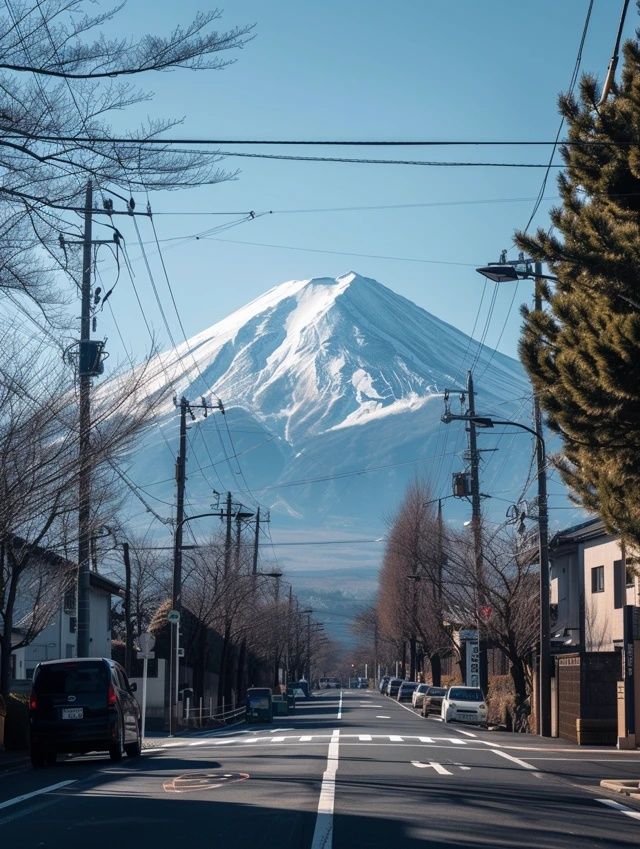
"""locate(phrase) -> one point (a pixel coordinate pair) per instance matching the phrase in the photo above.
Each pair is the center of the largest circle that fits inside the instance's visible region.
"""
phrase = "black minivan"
(82, 705)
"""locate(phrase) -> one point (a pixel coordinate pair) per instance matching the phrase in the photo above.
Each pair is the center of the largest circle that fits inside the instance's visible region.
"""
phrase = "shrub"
(500, 701)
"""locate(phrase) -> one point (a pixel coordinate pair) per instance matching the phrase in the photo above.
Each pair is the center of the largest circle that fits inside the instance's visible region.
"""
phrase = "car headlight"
(482, 708)
(452, 704)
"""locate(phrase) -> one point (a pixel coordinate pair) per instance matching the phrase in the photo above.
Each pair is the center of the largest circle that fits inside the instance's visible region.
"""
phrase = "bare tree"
(61, 79)
(39, 469)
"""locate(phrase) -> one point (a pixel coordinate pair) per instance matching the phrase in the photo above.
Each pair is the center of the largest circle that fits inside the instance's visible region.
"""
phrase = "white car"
(418, 695)
(464, 704)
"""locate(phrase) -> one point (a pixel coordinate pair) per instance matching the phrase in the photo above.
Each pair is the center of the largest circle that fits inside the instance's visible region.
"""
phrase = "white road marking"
(278, 739)
(340, 706)
(426, 739)
(393, 738)
(306, 739)
(509, 757)
(381, 716)
(491, 743)
(539, 774)
(364, 738)
(466, 733)
(17, 799)
(456, 741)
(622, 808)
(438, 767)
(323, 832)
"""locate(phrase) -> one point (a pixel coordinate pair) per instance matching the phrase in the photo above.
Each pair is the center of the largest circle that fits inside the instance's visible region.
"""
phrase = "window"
(618, 587)
(630, 576)
(597, 579)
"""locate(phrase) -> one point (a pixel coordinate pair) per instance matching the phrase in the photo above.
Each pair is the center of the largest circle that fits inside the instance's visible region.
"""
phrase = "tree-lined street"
(398, 778)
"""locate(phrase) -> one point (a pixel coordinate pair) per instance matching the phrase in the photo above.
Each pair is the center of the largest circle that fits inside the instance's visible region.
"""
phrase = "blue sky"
(361, 70)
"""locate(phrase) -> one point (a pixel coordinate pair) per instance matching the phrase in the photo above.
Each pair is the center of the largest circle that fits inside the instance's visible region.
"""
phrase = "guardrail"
(198, 717)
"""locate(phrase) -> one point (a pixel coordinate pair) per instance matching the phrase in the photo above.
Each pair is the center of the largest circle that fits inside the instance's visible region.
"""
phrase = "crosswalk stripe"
(277, 739)
(364, 738)
(393, 738)
(426, 739)
(455, 741)
(306, 739)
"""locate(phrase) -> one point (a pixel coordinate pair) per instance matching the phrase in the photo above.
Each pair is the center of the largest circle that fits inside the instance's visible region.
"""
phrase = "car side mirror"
(133, 686)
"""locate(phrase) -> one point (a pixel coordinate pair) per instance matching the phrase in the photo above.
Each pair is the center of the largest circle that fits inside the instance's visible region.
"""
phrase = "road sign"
(468, 634)
(485, 612)
(173, 616)
(146, 642)
(180, 651)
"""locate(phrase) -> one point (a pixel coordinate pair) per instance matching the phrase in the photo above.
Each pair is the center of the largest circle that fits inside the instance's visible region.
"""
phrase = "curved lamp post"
(544, 701)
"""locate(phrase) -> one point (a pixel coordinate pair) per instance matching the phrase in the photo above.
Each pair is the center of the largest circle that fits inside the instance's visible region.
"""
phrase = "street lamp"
(504, 272)
(544, 711)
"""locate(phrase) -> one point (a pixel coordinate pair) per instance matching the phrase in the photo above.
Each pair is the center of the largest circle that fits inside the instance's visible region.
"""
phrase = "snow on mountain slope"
(333, 392)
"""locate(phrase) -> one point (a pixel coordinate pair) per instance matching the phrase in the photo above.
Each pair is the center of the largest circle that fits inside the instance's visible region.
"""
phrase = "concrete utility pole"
(476, 525)
(84, 472)
(544, 712)
(181, 477)
(128, 628)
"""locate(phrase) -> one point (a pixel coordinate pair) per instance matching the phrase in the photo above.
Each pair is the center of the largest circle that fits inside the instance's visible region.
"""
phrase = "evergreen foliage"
(583, 352)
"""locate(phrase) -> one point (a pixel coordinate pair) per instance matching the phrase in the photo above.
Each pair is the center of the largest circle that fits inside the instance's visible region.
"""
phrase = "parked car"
(432, 700)
(464, 704)
(418, 693)
(382, 686)
(82, 705)
(405, 691)
(393, 686)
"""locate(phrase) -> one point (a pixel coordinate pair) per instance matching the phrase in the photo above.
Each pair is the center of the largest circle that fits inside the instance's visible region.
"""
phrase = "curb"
(628, 787)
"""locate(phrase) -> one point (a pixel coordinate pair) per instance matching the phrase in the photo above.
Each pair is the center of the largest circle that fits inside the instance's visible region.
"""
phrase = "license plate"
(72, 713)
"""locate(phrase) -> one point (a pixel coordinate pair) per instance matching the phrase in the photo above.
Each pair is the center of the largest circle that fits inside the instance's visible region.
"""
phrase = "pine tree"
(583, 351)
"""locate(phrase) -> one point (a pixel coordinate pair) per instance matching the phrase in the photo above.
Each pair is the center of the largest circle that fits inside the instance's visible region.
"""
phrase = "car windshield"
(464, 694)
(408, 685)
(72, 678)
(437, 691)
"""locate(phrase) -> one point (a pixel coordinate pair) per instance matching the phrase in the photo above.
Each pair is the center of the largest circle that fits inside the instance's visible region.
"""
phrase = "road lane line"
(306, 739)
(466, 733)
(622, 808)
(323, 832)
(17, 799)
(364, 738)
(277, 739)
(491, 743)
(393, 738)
(340, 706)
(382, 716)
(455, 741)
(509, 757)
(426, 739)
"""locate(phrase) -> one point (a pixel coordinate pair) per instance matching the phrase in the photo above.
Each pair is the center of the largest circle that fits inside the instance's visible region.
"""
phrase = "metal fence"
(203, 715)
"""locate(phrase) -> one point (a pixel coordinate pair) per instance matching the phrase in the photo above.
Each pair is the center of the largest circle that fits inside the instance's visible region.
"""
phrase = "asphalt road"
(346, 771)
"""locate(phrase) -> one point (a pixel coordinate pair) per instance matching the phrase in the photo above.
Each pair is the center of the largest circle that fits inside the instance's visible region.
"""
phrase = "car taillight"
(33, 701)
(111, 698)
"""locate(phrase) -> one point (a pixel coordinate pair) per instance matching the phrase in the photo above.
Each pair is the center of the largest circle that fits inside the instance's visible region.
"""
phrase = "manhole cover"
(194, 781)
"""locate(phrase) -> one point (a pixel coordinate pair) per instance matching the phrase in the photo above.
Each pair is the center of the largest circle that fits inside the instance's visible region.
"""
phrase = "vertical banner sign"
(627, 670)
(471, 639)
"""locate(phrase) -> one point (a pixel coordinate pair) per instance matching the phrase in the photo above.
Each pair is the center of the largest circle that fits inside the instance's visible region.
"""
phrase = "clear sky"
(462, 70)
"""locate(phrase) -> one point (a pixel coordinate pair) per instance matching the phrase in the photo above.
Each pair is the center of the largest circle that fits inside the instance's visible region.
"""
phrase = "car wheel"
(134, 750)
(116, 749)
(38, 757)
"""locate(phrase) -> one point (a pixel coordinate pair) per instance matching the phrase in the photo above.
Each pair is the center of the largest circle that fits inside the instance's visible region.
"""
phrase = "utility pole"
(476, 524)
(128, 639)
(256, 545)
(227, 540)
(544, 670)
(181, 477)
(84, 472)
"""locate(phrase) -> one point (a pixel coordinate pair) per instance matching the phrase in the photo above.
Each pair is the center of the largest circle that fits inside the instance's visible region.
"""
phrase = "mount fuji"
(333, 393)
